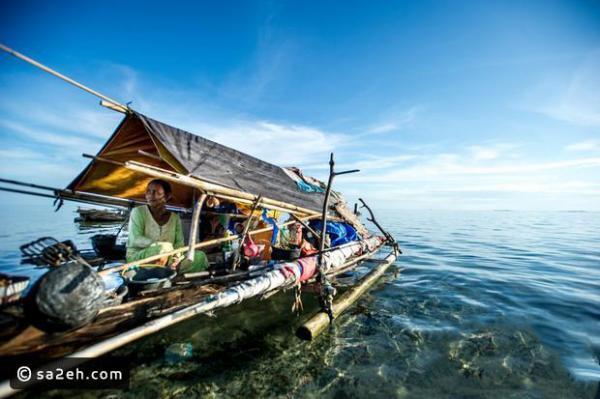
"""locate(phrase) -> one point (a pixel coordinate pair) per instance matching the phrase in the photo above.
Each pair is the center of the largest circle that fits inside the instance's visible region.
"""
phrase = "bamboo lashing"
(315, 325)
(114, 105)
(346, 266)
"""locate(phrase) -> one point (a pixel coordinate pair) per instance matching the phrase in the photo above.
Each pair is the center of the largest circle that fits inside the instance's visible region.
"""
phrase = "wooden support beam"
(203, 185)
(237, 257)
(194, 227)
(115, 107)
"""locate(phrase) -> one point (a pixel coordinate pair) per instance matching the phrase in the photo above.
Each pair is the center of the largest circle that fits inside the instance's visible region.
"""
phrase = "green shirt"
(144, 231)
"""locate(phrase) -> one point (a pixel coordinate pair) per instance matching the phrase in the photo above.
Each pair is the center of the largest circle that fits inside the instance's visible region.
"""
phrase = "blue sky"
(443, 105)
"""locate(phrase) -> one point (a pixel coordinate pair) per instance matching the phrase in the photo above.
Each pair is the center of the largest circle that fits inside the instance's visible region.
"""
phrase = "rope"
(297, 306)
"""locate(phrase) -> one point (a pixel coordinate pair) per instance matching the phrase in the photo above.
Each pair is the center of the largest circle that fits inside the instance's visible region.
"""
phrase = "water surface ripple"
(487, 305)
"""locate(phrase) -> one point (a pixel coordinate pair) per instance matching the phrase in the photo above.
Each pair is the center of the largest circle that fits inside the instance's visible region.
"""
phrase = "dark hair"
(164, 184)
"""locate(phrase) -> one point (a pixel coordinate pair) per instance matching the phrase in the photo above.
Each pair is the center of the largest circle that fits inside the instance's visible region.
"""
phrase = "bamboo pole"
(158, 168)
(237, 256)
(250, 202)
(346, 266)
(199, 245)
(70, 194)
(313, 327)
(307, 227)
(69, 197)
(115, 105)
(192, 181)
(349, 265)
(214, 189)
(194, 227)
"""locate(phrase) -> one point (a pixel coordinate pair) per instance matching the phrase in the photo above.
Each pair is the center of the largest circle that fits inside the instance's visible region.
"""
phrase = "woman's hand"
(180, 264)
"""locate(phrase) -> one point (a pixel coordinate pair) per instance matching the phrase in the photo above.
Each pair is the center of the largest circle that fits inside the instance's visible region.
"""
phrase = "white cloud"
(384, 128)
(52, 172)
(277, 143)
(18, 153)
(523, 186)
(575, 99)
(480, 153)
(59, 140)
(394, 120)
(383, 162)
(532, 186)
(440, 167)
(587, 145)
(448, 179)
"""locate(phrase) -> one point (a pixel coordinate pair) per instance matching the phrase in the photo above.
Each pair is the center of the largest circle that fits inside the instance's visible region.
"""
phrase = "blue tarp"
(308, 188)
(339, 233)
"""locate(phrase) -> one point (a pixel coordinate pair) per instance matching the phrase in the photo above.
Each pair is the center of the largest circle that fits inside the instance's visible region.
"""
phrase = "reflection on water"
(488, 304)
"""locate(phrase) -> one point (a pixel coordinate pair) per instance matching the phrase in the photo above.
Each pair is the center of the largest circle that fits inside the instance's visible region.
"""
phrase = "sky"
(441, 104)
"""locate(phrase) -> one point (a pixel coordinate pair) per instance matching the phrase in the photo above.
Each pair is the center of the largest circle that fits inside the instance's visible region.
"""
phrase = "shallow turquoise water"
(487, 304)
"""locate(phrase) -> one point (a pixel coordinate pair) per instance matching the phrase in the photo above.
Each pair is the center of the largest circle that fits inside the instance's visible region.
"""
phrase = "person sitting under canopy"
(154, 230)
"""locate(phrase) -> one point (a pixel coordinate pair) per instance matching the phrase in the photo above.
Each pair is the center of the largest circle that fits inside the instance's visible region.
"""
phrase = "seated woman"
(154, 230)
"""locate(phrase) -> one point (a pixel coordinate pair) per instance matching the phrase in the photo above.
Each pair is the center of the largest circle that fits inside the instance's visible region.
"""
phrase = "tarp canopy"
(179, 151)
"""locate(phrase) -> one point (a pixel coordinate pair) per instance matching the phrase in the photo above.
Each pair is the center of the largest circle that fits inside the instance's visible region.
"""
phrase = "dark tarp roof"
(184, 153)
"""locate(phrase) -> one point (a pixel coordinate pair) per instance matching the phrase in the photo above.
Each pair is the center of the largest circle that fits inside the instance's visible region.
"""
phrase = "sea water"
(486, 304)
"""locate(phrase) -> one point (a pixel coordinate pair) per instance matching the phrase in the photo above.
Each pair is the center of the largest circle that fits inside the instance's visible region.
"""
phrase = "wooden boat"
(100, 215)
(200, 172)
(27, 340)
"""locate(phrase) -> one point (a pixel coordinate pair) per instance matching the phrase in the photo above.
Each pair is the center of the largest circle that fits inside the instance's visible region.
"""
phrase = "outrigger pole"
(70, 195)
(391, 240)
(107, 101)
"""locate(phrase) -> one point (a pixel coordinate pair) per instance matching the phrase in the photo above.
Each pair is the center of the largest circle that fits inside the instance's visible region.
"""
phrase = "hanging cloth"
(273, 223)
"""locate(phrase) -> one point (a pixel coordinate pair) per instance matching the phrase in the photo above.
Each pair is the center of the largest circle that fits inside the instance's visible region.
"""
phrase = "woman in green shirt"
(154, 230)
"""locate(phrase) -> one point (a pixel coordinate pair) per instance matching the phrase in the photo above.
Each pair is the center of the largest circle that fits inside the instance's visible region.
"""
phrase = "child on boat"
(154, 230)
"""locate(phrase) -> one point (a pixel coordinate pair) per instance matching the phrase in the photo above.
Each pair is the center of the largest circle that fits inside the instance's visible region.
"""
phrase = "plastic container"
(106, 246)
(147, 277)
